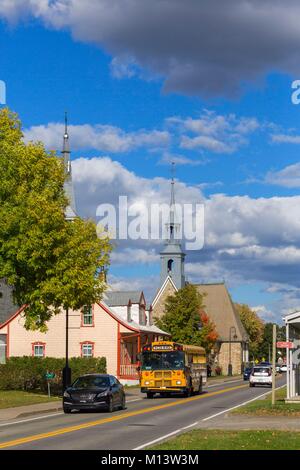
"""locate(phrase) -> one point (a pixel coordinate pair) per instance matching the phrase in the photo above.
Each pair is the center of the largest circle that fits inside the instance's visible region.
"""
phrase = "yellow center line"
(79, 427)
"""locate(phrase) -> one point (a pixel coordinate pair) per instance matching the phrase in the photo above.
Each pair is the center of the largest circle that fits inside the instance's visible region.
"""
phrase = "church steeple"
(69, 190)
(172, 256)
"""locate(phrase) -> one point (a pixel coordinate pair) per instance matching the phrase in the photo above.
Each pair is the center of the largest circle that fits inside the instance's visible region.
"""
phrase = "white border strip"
(166, 436)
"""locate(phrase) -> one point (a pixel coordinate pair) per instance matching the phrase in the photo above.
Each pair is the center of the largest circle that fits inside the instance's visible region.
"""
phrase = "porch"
(292, 323)
(129, 347)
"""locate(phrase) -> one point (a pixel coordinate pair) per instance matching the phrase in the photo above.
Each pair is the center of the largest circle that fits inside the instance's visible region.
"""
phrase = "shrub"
(28, 373)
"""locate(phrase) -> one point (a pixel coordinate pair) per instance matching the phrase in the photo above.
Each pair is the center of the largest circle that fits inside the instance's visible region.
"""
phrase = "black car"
(94, 392)
(247, 373)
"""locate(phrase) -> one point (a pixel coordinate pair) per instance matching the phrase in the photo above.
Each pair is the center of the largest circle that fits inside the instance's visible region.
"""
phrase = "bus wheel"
(150, 394)
(187, 392)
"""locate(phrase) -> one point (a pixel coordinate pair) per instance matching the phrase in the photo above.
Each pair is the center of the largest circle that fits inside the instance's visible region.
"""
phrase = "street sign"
(285, 344)
(50, 375)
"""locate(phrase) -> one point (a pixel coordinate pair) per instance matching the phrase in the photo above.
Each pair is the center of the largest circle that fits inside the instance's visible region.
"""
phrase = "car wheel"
(251, 385)
(67, 410)
(123, 403)
(110, 406)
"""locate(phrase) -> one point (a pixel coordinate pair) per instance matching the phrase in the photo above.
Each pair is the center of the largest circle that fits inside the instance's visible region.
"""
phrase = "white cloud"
(264, 313)
(288, 177)
(169, 158)
(285, 139)
(102, 180)
(207, 143)
(213, 132)
(123, 67)
(134, 256)
(99, 137)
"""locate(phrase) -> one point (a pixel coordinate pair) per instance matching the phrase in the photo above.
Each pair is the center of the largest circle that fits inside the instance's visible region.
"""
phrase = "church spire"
(69, 190)
(172, 256)
(173, 227)
(66, 148)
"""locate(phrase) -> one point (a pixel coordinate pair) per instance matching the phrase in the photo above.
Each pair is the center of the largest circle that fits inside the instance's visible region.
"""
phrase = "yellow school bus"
(168, 367)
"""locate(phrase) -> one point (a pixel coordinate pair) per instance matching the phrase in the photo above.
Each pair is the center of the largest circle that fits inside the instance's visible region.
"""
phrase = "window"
(38, 349)
(87, 316)
(87, 349)
(170, 265)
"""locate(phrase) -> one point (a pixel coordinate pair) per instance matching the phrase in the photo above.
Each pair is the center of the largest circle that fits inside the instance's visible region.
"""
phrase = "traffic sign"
(285, 344)
(50, 375)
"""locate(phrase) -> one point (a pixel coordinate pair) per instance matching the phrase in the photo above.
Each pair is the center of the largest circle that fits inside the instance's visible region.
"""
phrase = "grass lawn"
(263, 407)
(12, 398)
(233, 440)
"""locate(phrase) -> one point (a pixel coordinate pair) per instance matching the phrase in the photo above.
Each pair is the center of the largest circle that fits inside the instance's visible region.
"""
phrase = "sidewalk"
(7, 414)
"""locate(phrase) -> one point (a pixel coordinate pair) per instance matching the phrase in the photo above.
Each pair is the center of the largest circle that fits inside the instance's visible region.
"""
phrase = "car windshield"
(163, 360)
(91, 382)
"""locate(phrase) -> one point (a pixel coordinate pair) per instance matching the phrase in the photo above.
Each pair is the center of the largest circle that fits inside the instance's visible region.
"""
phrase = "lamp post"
(232, 328)
(66, 369)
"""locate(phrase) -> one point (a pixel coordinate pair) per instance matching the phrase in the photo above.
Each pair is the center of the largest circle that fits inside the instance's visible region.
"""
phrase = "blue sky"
(241, 164)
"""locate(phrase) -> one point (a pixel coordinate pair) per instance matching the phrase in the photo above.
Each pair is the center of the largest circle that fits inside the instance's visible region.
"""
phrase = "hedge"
(28, 373)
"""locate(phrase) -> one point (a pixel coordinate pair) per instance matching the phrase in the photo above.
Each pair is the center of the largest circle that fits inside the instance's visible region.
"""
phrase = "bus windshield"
(163, 360)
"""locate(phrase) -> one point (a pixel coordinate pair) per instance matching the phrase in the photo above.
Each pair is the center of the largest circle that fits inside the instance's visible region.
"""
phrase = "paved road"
(143, 422)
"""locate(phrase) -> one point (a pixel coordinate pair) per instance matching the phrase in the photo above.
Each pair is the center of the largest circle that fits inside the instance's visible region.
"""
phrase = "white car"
(261, 375)
(283, 368)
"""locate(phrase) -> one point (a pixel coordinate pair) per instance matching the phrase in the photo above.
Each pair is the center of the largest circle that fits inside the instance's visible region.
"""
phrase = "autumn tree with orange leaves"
(185, 319)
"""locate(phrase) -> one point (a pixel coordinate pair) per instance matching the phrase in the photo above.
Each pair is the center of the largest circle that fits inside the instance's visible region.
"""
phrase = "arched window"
(170, 265)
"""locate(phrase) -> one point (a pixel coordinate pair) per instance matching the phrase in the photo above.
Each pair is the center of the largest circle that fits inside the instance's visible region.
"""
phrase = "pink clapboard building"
(115, 328)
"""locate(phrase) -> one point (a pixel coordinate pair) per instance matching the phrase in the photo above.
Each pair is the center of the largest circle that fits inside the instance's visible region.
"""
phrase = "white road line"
(48, 416)
(241, 404)
(166, 436)
(30, 419)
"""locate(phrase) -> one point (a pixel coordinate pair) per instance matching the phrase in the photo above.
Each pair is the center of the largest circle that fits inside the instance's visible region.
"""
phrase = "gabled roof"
(122, 298)
(132, 325)
(161, 290)
(7, 305)
(220, 309)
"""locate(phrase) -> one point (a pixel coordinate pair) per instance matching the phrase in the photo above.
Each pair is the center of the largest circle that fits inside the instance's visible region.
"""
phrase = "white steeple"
(69, 190)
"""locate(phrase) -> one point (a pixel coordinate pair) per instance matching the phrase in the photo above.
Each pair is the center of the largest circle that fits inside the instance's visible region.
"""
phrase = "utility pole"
(273, 365)
(67, 370)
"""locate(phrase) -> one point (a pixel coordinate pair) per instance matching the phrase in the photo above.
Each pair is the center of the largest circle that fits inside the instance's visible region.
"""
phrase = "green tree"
(186, 320)
(49, 262)
(265, 348)
(253, 325)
